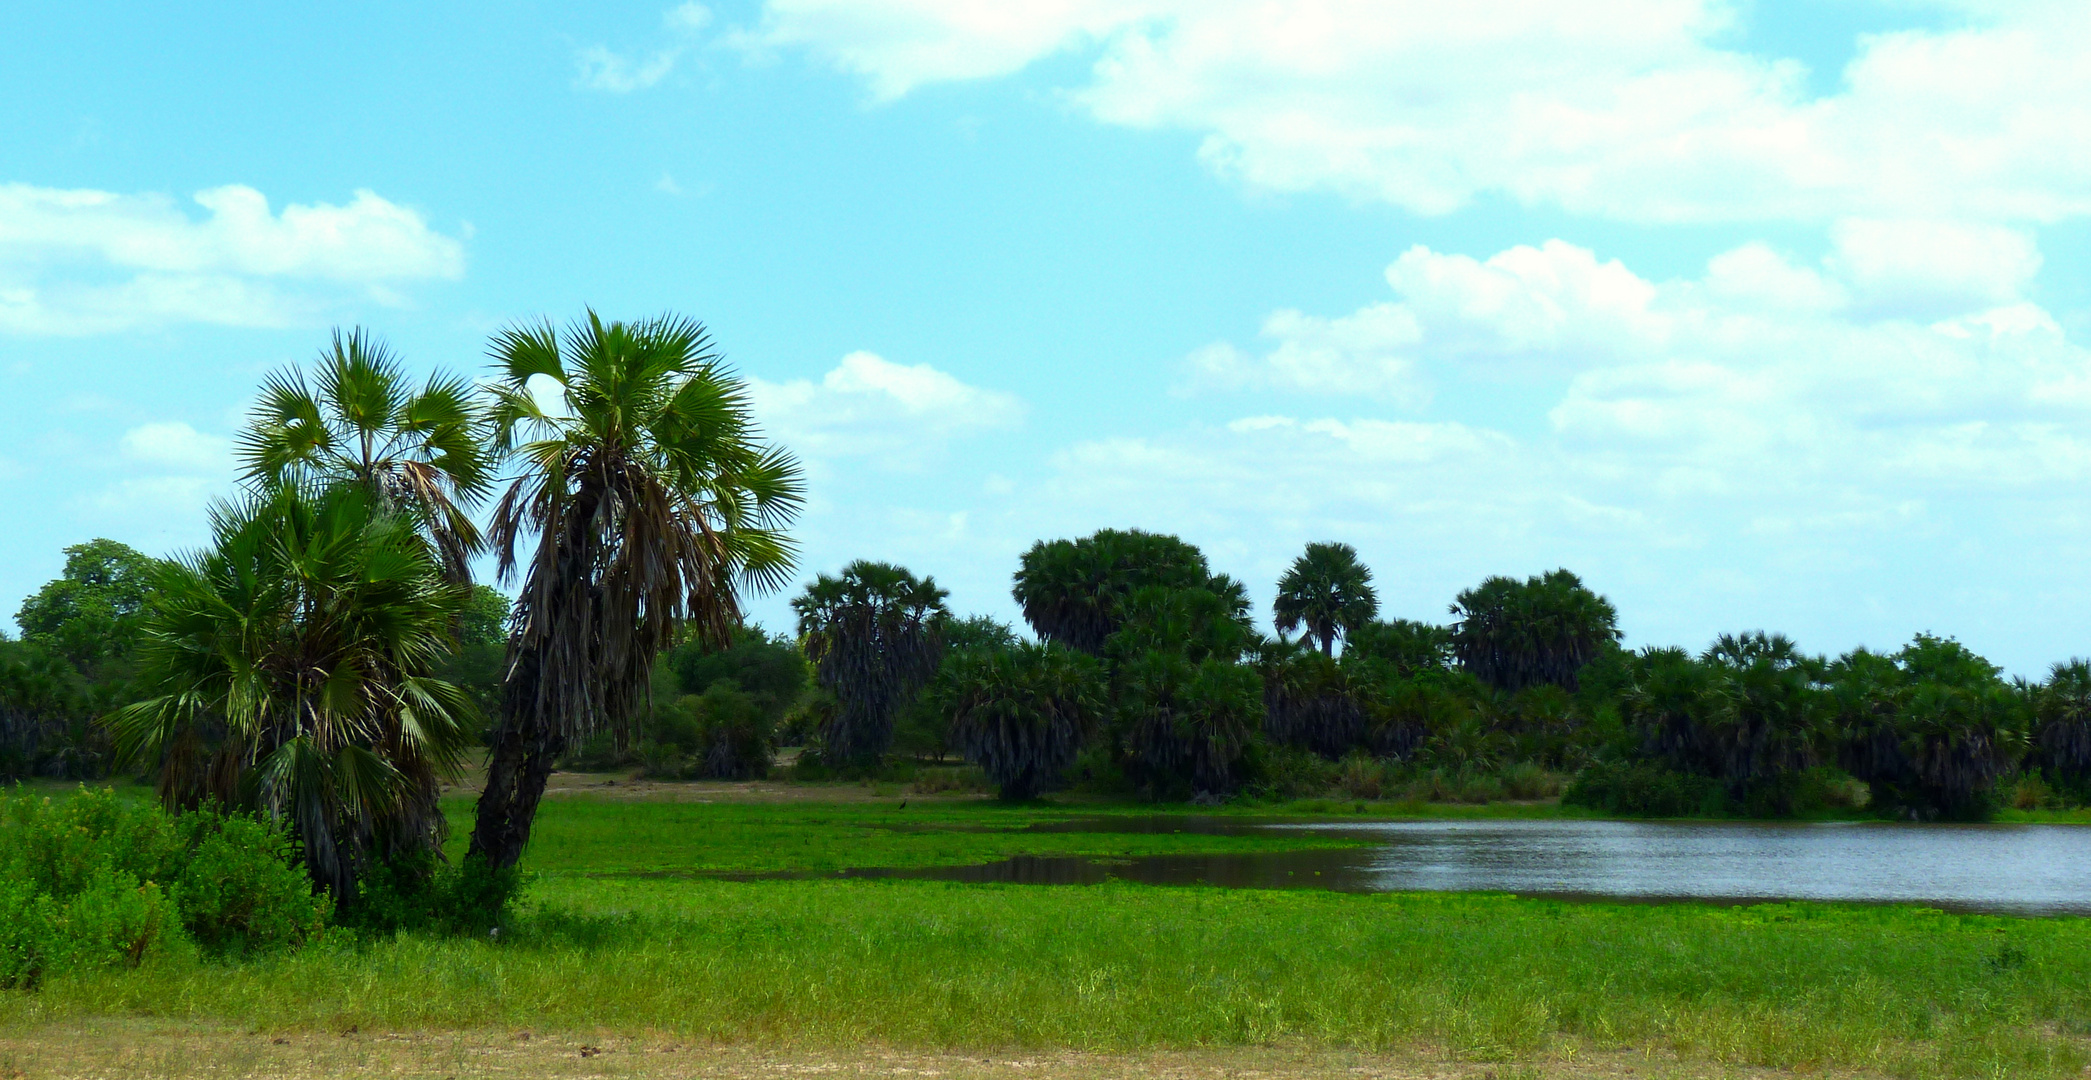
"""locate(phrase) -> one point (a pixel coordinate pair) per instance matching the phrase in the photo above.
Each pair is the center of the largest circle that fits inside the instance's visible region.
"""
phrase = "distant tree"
(89, 615)
(421, 452)
(1309, 701)
(1327, 591)
(1021, 712)
(1930, 728)
(2063, 708)
(1186, 705)
(1074, 592)
(770, 670)
(875, 635)
(47, 716)
(289, 669)
(1512, 634)
(979, 632)
(651, 503)
(1410, 647)
(484, 620)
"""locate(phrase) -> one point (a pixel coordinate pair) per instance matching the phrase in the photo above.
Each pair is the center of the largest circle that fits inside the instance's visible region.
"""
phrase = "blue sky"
(1754, 314)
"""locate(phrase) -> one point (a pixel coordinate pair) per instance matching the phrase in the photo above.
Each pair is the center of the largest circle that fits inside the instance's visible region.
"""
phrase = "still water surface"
(2016, 869)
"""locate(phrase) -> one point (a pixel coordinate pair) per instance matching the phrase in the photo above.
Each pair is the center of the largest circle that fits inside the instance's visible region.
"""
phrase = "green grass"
(932, 965)
(924, 964)
(585, 835)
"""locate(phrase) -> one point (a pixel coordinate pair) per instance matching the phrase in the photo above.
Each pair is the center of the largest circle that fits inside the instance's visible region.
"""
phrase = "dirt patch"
(154, 1049)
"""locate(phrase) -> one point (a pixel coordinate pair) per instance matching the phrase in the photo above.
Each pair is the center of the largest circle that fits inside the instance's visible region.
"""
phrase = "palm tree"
(1931, 728)
(288, 670)
(650, 503)
(1512, 634)
(420, 452)
(1309, 702)
(875, 635)
(1074, 592)
(1021, 713)
(2064, 711)
(1186, 704)
(1328, 591)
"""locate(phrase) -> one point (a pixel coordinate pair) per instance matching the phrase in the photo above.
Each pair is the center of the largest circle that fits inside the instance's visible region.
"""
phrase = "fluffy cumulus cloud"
(1631, 109)
(83, 261)
(1771, 429)
(868, 407)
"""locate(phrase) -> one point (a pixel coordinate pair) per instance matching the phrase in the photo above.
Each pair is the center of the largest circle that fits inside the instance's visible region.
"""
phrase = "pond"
(2010, 869)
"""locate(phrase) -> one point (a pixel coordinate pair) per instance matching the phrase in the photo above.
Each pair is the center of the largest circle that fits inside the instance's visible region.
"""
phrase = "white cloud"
(1627, 109)
(1358, 355)
(84, 261)
(688, 18)
(870, 407)
(1744, 446)
(598, 68)
(177, 447)
(1933, 267)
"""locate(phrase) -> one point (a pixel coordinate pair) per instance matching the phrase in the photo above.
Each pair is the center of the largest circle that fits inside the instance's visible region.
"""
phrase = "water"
(2011, 869)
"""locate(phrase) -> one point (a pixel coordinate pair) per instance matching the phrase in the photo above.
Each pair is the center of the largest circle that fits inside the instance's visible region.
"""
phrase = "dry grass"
(147, 1049)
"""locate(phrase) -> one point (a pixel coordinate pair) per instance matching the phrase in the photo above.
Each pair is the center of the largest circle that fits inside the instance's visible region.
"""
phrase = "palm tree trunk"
(523, 753)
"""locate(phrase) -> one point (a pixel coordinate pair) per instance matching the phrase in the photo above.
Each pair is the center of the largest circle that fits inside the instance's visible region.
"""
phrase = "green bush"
(95, 881)
(1283, 773)
(1647, 790)
(423, 894)
(242, 890)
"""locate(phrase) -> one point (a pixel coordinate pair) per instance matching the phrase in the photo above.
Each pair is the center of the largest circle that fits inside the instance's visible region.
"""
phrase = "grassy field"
(885, 977)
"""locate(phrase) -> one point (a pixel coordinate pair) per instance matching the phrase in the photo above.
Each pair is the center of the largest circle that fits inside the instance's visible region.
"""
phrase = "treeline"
(1149, 677)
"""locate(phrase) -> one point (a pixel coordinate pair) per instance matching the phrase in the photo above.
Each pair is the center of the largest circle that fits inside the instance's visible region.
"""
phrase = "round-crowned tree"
(1512, 634)
(1021, 713)
(875, 635)
(1075, 592)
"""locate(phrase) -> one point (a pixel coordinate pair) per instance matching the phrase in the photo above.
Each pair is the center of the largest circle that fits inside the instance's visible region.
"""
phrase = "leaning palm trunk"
(651, 503)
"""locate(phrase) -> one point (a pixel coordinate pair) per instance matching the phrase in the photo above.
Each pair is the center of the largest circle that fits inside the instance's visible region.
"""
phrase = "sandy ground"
(154, 1049)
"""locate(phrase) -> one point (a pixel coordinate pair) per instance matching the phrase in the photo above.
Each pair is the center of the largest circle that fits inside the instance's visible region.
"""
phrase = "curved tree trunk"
(516, 770)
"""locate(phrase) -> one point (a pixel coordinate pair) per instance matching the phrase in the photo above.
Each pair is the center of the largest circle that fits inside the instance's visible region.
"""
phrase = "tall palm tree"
(1328, 591)
(649, 503)
(875, 634)
(419, 451)
(288, 670)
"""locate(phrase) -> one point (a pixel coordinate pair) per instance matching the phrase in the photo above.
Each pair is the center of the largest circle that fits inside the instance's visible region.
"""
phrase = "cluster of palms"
(296, 665)
(1148, 660)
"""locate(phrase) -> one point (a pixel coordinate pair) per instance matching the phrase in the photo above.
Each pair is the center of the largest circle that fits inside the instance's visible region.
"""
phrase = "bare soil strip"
(149, 1050)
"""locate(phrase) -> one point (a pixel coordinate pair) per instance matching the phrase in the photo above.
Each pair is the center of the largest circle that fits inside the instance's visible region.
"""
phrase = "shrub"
(94, 881)
(1273, 771)
(1361, 776)
(1646, 790)
(241, 890)
(419, 893)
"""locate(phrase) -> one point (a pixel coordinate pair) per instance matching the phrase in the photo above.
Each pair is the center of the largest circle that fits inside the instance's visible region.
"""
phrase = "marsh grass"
(606, 835)
(832, 967)
(1899, 991)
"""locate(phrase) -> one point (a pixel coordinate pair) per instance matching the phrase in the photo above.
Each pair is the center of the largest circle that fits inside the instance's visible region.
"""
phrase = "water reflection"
(2020, 869)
